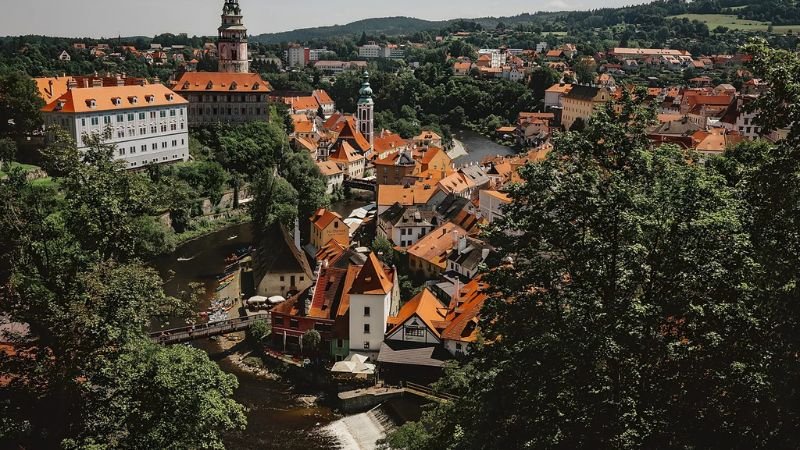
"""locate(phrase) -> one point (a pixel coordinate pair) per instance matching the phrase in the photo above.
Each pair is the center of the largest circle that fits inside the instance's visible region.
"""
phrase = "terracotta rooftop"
(222, 82)
(115, 98)
(372, 279)
(323, 217)
(436, 245)
(425, 306)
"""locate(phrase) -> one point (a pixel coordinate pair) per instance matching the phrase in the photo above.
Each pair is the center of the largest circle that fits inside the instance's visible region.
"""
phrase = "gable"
(414, 329)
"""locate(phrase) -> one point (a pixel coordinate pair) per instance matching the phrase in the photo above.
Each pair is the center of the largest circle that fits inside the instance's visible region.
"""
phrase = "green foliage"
(72, 271)
(260, 330)
(274, 202)
(384, 250)
(311, 340)
(303, 174)
(19, 104)
(649, 303)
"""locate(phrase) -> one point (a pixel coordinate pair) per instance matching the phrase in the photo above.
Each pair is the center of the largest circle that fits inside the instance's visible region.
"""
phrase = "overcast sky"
(107, 18)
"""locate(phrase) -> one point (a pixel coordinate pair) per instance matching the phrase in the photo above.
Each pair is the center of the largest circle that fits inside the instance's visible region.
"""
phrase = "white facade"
(414, 330)
(491, 206)
(296, 56)
(143, 136)
(370, 51)
(369, 316)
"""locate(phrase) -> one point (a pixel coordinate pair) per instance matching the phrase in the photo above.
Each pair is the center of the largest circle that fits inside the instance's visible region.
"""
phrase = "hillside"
(384, 25)
(745, 15)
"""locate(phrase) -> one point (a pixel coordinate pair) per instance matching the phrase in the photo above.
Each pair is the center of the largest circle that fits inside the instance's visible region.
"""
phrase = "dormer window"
(186, 85)
(149, 98)
(117, 101)
(91, 103)
(170, 97)
(60, 104)
(210, 85)
(233, 86)
(256, 86)
(133, 100)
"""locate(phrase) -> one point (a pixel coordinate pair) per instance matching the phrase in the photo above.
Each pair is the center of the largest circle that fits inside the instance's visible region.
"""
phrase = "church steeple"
(232, 46)
(366, 111)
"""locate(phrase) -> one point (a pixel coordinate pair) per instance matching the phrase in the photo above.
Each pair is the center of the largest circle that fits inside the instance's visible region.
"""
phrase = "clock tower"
(232, 45)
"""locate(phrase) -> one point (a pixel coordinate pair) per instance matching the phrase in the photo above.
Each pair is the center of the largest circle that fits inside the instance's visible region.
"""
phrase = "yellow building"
(581, 103)
(327, 226)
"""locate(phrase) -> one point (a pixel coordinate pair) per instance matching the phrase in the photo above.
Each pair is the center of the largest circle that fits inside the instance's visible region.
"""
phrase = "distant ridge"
(384, 25)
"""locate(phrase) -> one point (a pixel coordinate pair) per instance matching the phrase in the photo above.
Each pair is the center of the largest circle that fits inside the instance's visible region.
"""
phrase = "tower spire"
(232, 47)
(366, 111)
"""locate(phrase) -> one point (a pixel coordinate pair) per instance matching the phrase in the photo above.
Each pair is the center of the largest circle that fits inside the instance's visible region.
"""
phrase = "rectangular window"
(366, 345)
(152, 114)
(130, 117)
(155, 146)
(279, 321)
(83, 122)
(415, 332)
(120, 118)
(106, 119)
(133, 150)
(366, 311)
(143, 130)
(95, 121)
(141, 116)
(162, 113)
(293, 323)
(144, 148)
(172, 113)
(366, 328)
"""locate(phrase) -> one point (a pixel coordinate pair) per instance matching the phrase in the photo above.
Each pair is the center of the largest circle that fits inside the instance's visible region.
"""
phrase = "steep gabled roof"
(424, 305)
(372, 279)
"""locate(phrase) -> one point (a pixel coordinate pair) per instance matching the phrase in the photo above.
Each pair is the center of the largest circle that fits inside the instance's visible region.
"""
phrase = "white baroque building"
(147, 124)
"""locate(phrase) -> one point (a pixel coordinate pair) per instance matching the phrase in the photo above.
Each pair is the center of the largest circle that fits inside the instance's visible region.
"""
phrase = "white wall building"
(371, 50)
(371, 304)
(147, 124)
(296, 56)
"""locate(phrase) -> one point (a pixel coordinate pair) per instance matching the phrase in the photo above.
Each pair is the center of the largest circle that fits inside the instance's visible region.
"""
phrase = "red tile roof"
(222, 82)
(425, 306)
(129, 97)
(372, 279)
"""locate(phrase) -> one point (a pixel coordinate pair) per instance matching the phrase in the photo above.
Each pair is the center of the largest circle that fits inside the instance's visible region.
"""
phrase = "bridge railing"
(192, 332)
(426, 390)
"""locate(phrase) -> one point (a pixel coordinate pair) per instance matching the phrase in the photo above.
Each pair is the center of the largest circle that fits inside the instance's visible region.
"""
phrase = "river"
(478, 148)
(275, 418)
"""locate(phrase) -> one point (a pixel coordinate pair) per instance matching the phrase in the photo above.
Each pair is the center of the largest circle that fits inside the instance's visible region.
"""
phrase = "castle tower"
(366, 112)
(232, 46)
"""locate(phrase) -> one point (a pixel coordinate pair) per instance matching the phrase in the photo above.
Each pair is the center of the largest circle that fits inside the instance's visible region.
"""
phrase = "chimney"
(85, 83)
(461, 241)
(50, 87)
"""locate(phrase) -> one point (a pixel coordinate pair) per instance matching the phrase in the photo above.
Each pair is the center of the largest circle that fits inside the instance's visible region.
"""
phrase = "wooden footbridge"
(207, 330)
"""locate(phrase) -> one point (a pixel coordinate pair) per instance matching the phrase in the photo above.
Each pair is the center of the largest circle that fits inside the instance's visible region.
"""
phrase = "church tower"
(232, 45)
(366, 112)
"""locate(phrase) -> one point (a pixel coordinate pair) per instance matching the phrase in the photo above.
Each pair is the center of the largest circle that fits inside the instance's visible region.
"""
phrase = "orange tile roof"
(307, 144)
(560, 88)
(308, 103)
(498, 195)
(222, 82)
(329, 168)
(372, 279)
(79, 100)
(425, 306)
(387, 141)
(389, 194)
(48, 93)
(347, 131)
(344, 303)
(344, 152)
(436, 245)
(329, 251)
(464, 311)
(322, 218)
(322, 96)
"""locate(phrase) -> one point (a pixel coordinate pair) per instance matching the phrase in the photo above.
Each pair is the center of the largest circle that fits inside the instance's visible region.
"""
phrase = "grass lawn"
(734, 23)
(25, 167)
